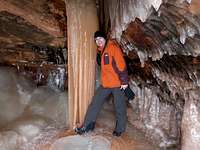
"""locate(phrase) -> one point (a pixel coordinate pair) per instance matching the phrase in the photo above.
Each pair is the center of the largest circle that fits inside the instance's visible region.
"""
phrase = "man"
(114, 79)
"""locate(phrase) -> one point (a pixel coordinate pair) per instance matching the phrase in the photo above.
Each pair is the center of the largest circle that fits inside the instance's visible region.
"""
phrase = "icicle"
(190, 31)
(123, 12)
(56, 79)
(183, 34)
(156, 4)
(189, 1)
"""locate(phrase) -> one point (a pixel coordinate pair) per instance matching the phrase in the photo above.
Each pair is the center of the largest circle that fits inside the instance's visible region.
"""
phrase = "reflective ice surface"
(82, 143)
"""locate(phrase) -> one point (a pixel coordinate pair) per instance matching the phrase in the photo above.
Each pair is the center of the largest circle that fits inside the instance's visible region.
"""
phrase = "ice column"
(82, 22)
(191, 122)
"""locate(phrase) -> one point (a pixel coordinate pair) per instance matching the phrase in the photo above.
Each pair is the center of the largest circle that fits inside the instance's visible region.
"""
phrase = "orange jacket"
(113, 66)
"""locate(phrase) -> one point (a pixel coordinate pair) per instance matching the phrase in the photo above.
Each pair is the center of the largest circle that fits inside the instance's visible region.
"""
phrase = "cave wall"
(161, 42)
(33, 37)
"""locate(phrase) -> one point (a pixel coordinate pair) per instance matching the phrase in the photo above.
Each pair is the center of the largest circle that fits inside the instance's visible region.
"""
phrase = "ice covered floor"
(101, 138)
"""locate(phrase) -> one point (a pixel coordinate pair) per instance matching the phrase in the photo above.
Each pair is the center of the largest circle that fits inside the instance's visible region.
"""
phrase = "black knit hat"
(99, 34)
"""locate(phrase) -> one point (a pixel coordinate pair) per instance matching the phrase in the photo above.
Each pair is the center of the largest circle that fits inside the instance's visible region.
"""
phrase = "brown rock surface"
(37, 22)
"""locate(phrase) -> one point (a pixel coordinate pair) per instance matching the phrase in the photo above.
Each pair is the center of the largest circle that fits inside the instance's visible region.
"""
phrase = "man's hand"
(124, 86)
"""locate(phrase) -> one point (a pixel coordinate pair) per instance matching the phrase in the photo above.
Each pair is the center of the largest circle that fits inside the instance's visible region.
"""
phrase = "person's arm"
(119, 66)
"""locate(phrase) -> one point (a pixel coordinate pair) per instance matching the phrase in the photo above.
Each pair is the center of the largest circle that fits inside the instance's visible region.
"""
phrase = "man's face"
(100, 41)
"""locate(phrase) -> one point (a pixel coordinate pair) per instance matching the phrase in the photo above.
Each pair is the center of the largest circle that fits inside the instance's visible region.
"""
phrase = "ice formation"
(27, 110)
(123, 12)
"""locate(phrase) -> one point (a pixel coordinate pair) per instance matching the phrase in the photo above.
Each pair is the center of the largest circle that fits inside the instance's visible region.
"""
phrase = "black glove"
(129, 93)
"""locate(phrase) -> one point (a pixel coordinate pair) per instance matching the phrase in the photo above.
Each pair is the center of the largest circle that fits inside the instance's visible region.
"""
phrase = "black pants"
(98, 101)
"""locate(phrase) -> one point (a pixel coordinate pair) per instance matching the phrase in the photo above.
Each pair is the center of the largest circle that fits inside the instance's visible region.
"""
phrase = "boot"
(115, 133)
(83, 129)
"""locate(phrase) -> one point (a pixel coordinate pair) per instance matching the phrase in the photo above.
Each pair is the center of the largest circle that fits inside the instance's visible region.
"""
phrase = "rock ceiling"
(36, 22)
(31, 25)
